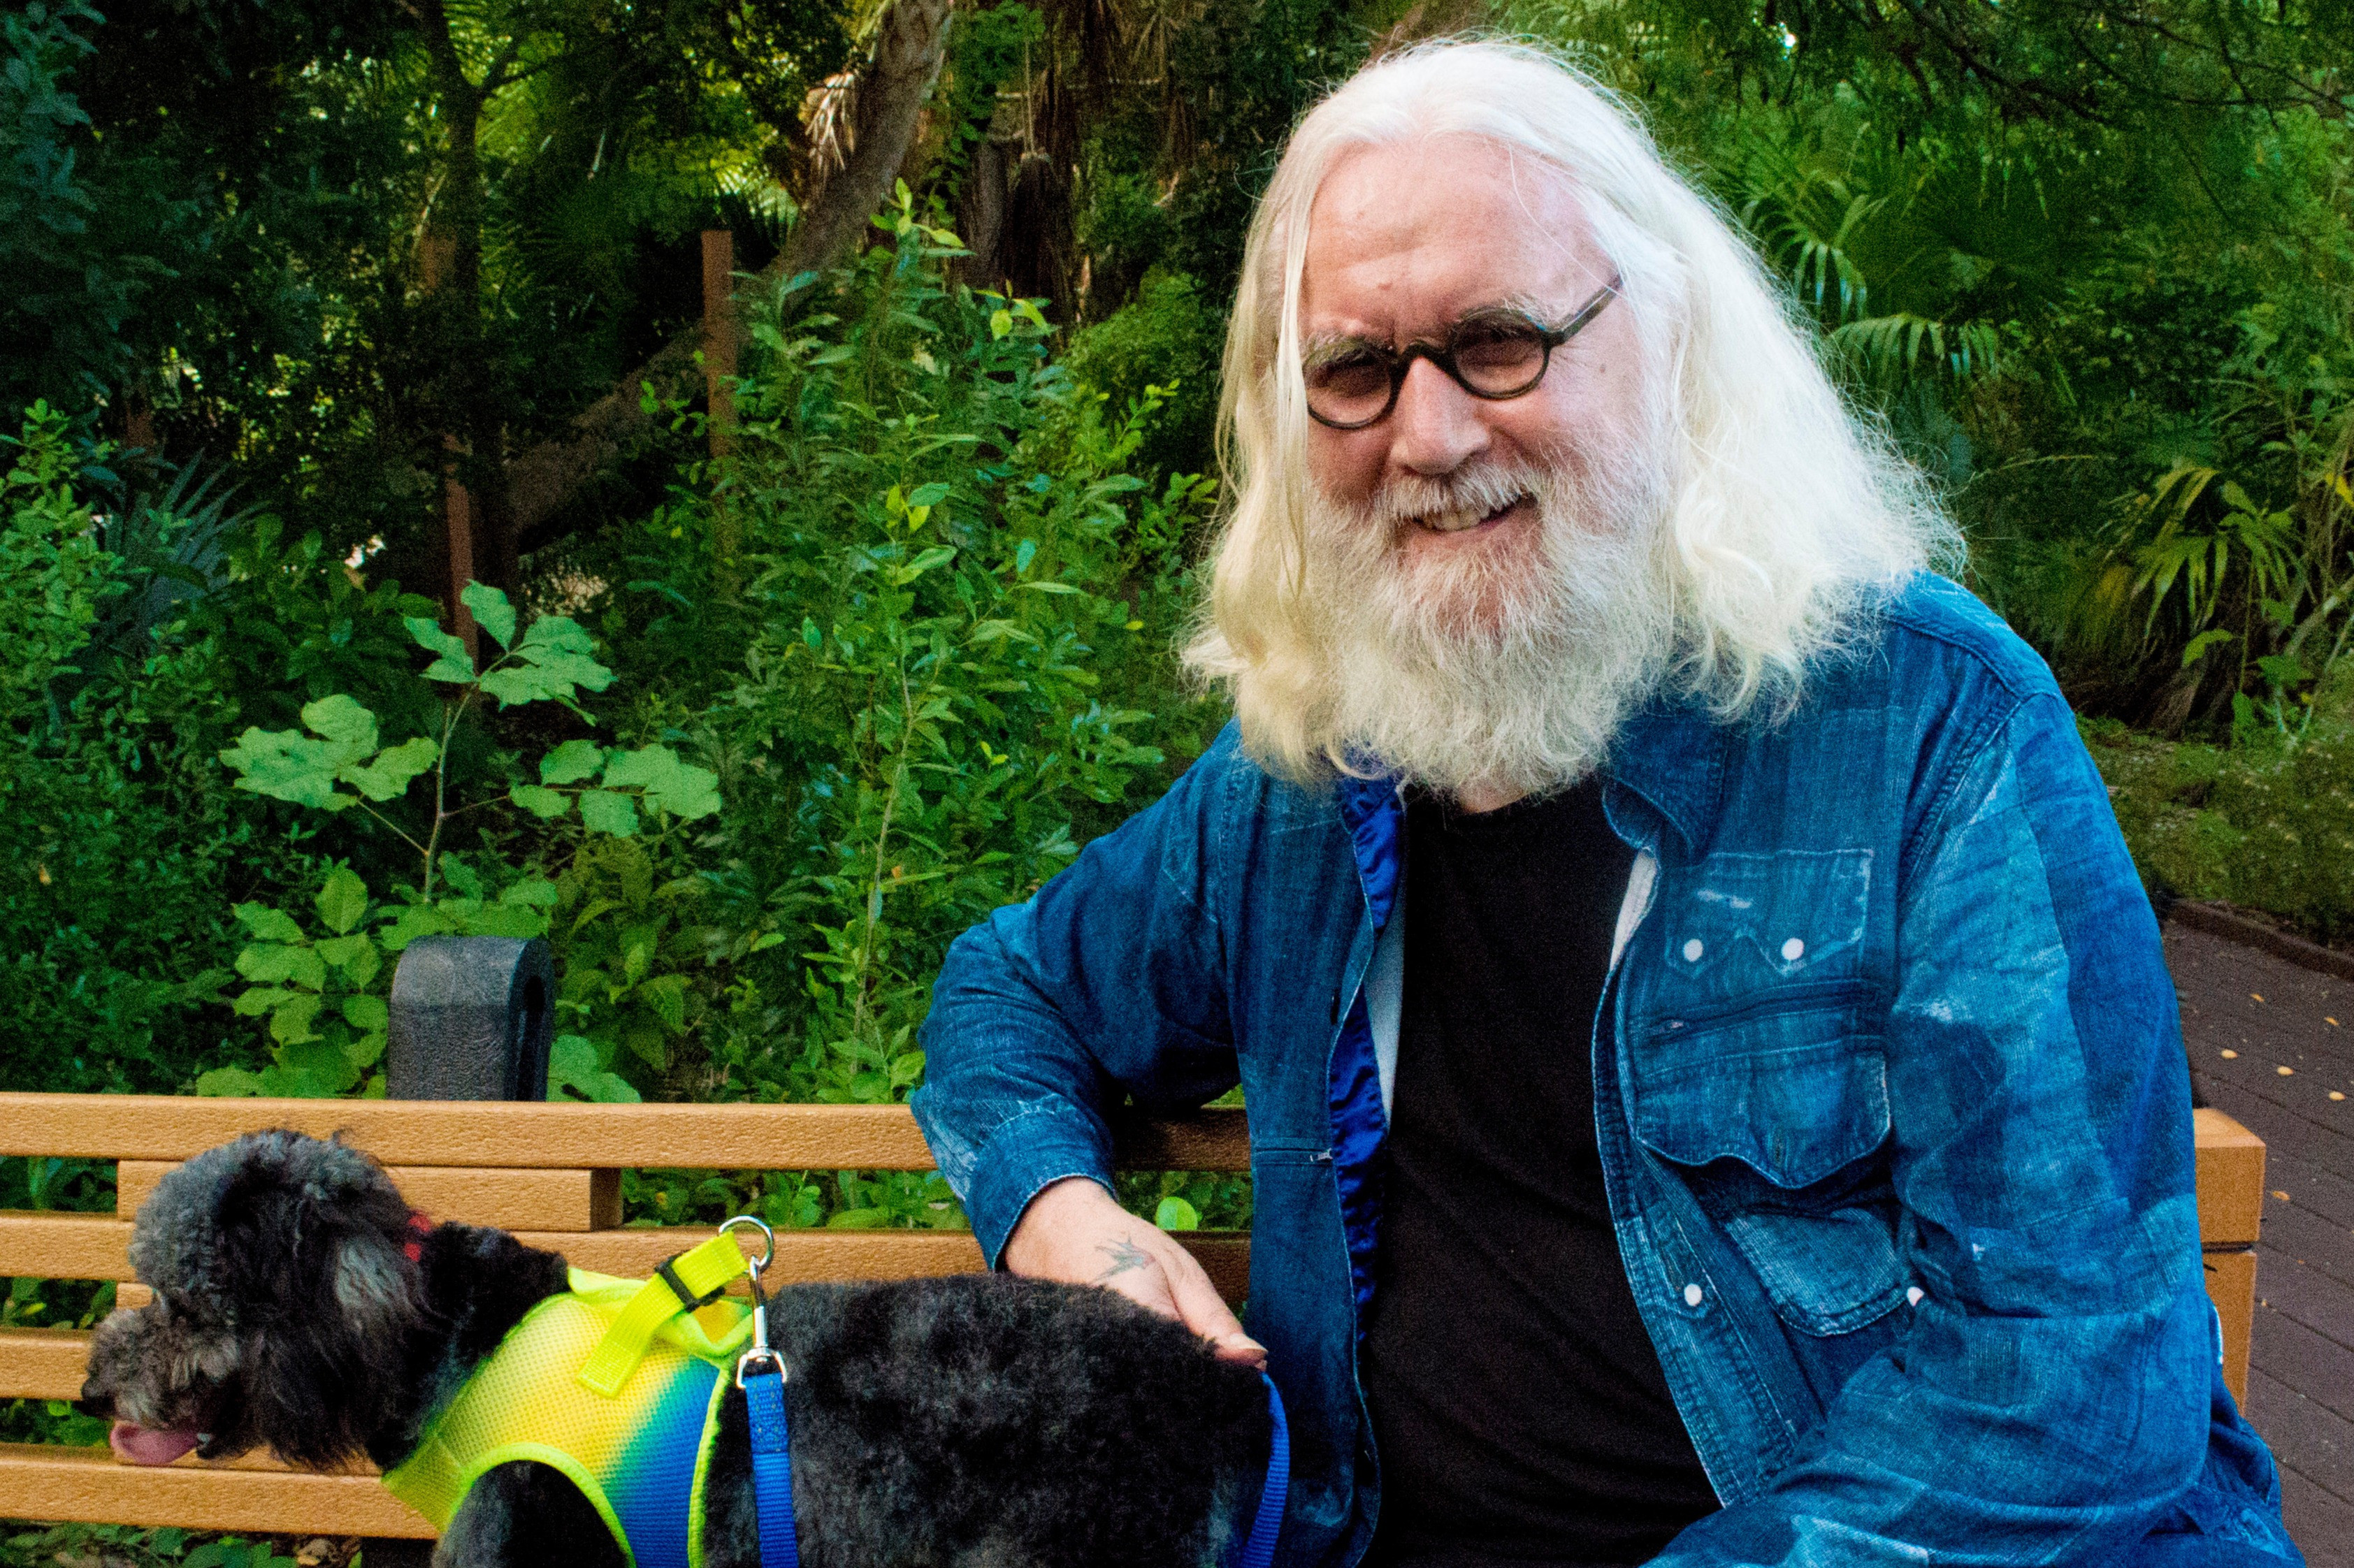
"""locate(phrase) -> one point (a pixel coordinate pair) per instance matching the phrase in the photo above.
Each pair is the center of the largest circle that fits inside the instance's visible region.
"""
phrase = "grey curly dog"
(970, 1422)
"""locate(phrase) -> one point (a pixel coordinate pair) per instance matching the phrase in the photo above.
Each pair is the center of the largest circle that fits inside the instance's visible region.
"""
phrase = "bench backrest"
(551, 1172)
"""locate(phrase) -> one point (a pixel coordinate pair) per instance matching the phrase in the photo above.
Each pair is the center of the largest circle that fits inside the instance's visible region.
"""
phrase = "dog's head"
(286, 1284)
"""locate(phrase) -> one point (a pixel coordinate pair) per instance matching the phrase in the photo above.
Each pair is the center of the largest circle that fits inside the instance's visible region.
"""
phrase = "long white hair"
(1780, 513)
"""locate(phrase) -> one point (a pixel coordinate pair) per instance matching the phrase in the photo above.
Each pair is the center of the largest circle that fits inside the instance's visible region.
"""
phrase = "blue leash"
(1258, 1549)
(772, 1464)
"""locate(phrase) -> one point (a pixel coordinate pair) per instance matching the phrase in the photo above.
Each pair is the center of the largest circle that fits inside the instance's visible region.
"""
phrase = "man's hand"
(1075, 1232)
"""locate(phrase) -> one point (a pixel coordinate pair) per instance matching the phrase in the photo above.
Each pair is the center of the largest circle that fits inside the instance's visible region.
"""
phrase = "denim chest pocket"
(1746, 920)
(1773, 1115)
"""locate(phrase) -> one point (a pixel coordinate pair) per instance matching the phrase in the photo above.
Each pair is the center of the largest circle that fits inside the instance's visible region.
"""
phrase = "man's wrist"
(1065, 1200)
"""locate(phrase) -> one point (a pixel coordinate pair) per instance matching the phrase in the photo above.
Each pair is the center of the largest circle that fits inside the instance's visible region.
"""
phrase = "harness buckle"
(687, 1299)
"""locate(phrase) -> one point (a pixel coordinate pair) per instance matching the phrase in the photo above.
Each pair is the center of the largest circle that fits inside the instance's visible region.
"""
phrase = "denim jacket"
(1889, 1085)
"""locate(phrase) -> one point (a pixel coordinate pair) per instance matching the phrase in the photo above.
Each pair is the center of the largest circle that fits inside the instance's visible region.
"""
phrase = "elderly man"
(1715, 1095)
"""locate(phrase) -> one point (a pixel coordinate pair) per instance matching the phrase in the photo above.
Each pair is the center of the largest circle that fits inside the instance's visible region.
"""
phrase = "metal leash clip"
(759, 1351)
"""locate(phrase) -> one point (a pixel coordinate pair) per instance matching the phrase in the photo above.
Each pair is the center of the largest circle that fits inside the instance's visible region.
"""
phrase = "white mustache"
(1450, 506)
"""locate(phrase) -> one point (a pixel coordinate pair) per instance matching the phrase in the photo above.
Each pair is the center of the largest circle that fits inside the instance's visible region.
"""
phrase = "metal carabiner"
(760, 1350)
(767, 1235)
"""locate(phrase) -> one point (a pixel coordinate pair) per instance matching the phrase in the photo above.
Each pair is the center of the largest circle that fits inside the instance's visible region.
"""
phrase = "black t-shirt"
(1518, 1404)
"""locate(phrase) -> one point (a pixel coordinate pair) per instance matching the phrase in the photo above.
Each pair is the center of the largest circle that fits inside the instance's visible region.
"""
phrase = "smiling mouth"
(1468, 521)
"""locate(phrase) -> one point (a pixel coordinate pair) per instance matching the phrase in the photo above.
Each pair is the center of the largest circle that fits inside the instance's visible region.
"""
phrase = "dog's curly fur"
(976, 1421)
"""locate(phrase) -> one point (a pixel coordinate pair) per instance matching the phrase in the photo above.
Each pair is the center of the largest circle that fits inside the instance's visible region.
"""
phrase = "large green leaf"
(604, 811)
(387, 778)
(557, 659)
(286, 765)
(677, 787)
(290, 1019)
(354, 955)
(539, 801)
(573, 1072)
(343, 725)
(289, 766)
(269, 963)
(267, 924)
(571, 762)
(454, 664)
(343, 901)
(414, 920)
(492, 612)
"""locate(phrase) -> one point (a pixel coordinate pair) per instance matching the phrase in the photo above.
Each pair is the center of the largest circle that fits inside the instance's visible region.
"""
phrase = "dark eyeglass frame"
(1399, 361)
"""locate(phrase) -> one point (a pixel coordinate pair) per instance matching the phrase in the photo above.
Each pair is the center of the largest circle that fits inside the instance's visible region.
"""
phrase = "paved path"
(2269, 1044)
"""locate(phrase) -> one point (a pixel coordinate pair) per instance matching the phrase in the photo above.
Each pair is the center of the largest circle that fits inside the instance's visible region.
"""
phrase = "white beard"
(1510, 665)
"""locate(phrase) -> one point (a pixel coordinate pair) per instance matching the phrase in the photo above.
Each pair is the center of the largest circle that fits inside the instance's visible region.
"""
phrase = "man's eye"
(1351, 373)
(1497, 351)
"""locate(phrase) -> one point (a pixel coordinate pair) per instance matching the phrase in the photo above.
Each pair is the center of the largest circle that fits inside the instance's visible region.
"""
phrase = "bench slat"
(483, 1135)
(42, 1363)
(510, 1200)
(94, 1247)
(86, 1485)
(90, 1247)
(556, 1136)
(47, 1363)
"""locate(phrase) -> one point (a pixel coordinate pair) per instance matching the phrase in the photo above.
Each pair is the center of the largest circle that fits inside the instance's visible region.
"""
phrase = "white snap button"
(1692, 1295)
(1912, 1297)
(1693, 951)
(1793, 950)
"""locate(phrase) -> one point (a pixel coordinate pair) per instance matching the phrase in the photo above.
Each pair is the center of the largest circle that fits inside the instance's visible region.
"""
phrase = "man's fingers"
(1201, 1308)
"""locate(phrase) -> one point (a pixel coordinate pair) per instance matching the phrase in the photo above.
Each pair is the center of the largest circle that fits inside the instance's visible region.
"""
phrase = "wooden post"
(438, 252)
(139, 424)
(472, 1019)
(719, 335)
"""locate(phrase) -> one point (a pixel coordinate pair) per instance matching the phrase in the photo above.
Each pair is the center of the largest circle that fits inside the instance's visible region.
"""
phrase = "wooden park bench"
(551, 1173)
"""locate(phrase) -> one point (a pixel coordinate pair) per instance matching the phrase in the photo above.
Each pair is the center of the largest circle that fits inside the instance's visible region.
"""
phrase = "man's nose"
(1437, 426)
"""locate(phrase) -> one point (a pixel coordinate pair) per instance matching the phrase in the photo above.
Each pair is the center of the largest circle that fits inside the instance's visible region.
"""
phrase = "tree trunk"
(981, 215)
(544, 483)
(474, 427)
(477, 542)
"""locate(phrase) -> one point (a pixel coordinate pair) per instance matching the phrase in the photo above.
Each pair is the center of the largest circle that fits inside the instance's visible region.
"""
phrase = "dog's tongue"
(139, 1446)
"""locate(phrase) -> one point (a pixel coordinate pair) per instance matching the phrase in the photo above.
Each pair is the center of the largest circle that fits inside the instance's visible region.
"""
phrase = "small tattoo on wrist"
(1125, 1255)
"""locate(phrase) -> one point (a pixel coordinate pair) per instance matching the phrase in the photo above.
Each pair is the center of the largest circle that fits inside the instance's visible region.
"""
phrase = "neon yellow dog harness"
(616, 1384)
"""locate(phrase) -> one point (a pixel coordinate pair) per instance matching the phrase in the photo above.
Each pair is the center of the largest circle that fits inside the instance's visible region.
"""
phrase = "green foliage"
(124, 1546)
(325, 996)
(70, 288)
(110, 917)
(2266, 823)
(957, 602)
(1163, 347)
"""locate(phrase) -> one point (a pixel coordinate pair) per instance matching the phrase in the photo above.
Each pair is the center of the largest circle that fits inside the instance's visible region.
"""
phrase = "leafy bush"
(948, 662)
(114, 927)
(325, 996)
(2263, 825)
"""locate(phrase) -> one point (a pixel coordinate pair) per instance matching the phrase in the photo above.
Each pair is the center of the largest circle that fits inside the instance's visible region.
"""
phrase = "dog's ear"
(375, 1283)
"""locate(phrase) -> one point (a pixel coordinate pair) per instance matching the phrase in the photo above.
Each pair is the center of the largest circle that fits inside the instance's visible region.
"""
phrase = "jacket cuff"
(1026, 1157)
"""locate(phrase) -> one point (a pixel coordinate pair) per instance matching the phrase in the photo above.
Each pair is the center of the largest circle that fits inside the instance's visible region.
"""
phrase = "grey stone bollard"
(472, 1019)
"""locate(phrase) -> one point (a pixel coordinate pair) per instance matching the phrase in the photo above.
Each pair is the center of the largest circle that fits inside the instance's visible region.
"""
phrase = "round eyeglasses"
(1493, 354)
